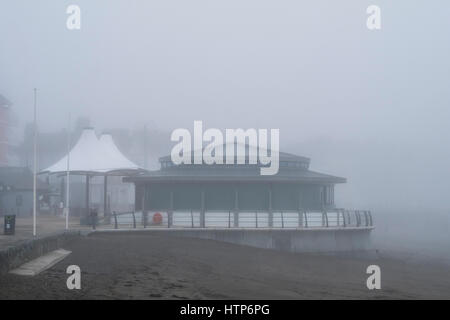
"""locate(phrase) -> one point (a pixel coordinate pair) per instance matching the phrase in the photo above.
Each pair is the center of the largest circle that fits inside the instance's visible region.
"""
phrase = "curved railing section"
(335, 218)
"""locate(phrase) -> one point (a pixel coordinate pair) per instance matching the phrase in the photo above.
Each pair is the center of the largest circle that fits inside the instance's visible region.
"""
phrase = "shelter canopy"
(91, 155)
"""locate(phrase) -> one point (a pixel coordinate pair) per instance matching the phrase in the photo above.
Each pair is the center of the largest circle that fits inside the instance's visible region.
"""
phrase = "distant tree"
(142, 146)
(52, 146)
(81, 123)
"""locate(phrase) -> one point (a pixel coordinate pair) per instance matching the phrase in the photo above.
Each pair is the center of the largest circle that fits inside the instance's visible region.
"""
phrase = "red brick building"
(4, 129)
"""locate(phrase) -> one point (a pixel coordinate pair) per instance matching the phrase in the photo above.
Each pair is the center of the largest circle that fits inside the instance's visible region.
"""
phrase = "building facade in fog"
(4, 130)
(235, 188)
(16, 192)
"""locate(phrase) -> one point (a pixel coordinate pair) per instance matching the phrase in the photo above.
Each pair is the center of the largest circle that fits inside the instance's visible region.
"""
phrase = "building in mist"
(234, 188)
(5, 106)
(16, 192)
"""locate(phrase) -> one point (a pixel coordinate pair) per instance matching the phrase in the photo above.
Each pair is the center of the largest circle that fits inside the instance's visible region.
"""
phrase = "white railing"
(336, 218)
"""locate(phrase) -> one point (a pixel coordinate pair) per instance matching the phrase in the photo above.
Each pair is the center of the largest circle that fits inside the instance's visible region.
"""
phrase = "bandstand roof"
(292, 168)
(91, 155)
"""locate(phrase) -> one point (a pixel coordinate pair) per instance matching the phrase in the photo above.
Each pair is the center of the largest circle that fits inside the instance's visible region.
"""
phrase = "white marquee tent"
(93, 157)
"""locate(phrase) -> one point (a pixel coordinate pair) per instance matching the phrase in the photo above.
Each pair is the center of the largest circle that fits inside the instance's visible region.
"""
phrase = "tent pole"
(105, 192)
(87, 196)
(34, 165)
(68, 176)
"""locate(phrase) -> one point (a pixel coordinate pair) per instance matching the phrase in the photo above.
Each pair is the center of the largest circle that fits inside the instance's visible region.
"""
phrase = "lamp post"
(68, 176)
(34, 165)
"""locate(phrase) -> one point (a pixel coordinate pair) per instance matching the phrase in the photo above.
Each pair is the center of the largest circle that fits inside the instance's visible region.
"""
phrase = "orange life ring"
(157, 218)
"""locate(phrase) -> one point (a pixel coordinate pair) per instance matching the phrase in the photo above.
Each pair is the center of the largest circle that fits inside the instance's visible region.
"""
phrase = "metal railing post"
(370, 217)
(366, 219)
(192, 219)
(343, 218)
(229, 219)
(338, 217)
(306, 219)
(134, 220)
(144, 219)
(358, 218)
(300, 219)
(282, 220)
(169, 218)
(115, 220)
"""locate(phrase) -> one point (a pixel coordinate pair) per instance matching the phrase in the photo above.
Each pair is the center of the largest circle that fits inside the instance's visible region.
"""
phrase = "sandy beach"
(149, 266)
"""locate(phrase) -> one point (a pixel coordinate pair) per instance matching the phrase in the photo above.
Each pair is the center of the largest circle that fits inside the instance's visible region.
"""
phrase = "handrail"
(328, 218)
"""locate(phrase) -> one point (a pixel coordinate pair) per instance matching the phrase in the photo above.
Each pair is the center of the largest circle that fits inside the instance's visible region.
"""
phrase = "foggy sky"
(373, 106)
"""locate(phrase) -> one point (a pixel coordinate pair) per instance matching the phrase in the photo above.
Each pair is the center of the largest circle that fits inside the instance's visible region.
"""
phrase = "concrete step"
(36, 266)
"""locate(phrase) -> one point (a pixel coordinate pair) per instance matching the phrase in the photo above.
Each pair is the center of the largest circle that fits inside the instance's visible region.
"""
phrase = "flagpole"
(34, 165)
(68, 176)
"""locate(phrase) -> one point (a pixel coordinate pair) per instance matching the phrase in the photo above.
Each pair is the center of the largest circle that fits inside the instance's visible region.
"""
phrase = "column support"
(170, 212)
(236, 208)
(270, 207)
(300, 210)
(202, 209)
(105, 193)
(87, 196)
(143, 206)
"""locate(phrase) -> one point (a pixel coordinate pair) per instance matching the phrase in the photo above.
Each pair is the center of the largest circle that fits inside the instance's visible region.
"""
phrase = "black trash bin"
(10, 225)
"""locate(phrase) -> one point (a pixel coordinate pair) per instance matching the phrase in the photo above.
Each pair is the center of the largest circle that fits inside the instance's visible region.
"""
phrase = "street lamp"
(34, 165)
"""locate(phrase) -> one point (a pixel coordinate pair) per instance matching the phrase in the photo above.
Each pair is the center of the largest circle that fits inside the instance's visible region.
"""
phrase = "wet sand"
(149, 266)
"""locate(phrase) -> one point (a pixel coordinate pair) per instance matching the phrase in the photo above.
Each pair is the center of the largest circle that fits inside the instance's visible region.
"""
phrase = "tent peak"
(93, 155)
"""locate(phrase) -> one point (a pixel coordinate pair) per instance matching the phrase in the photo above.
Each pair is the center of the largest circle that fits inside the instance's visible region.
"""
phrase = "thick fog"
(371, 106)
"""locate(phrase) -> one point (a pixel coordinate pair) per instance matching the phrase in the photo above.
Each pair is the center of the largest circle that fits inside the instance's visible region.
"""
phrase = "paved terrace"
(46, 226)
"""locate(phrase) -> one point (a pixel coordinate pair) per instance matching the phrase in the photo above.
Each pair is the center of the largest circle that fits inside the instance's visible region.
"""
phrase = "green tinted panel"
(158, 197)
(285, 197)
(219, 197)
(253, 197)
(187, 197)
(311, 197)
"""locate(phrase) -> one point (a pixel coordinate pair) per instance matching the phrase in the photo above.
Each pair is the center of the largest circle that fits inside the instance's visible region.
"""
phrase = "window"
(328, 195)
